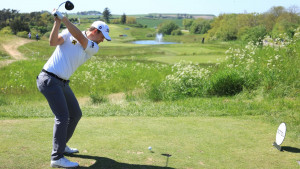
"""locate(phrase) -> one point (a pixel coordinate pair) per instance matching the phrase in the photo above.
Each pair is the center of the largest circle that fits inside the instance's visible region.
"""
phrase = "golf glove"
(57, 14)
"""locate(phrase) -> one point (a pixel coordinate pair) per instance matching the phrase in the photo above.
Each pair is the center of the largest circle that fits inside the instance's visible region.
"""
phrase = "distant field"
(151, 23)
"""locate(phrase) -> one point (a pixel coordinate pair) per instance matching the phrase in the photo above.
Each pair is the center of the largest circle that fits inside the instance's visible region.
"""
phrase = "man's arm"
(75, 32)
(54, 39)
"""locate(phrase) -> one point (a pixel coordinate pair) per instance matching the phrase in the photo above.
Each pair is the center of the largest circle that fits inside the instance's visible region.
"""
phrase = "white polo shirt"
(68, 56)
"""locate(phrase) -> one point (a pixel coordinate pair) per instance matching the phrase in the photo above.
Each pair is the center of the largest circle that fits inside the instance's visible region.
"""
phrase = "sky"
(129, 7)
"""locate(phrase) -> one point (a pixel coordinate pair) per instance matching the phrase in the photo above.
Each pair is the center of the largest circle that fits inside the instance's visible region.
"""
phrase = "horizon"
(135, 7)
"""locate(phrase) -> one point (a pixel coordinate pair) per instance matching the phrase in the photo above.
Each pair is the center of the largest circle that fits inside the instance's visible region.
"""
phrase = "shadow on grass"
(106, 163)
(291, 149)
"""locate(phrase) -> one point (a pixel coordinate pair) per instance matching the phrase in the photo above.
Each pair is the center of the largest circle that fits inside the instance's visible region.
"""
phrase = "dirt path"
(12, 49)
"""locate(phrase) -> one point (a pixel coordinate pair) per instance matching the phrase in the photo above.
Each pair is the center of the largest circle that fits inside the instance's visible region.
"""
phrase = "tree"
(17, 26)
(200, 26)
(276, 11)
(123, 19)
(254, 34)
(225, 27)
(106, 15)
(187, 23)
(167, 27)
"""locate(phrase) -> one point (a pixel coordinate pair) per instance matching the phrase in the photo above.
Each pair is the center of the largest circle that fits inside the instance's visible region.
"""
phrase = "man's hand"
(57, 14)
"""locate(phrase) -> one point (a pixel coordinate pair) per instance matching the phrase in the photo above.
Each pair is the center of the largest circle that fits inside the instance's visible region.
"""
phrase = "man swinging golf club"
(73, 48)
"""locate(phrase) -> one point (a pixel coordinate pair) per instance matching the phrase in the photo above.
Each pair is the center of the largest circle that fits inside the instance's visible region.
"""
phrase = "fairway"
(122, 142)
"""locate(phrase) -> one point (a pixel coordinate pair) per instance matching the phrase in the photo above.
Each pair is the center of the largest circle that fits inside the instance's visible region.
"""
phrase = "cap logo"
(100, 27)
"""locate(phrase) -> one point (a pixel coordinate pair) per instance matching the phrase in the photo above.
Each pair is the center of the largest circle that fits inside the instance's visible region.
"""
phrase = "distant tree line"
(39, 22)
(89, 13)
(13, 22)
(254, 26)
(128, 20)
(247, 27)
(169, 16)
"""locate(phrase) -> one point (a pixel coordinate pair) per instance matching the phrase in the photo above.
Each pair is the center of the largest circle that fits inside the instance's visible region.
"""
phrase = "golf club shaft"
(58, 7)
(61, 4)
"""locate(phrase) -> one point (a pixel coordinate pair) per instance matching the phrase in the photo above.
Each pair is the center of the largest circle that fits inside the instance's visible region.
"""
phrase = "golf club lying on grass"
(68, 5)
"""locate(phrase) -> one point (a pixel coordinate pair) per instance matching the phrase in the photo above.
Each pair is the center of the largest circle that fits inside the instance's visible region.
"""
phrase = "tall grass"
(114, 75)
(99, 76)
(272, 68)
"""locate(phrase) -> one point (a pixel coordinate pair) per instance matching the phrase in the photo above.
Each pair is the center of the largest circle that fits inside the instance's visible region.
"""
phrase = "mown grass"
(122, 142)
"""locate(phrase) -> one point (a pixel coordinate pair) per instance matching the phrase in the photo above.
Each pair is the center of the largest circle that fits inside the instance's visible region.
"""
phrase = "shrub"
(150, 35)
(130, 20)
(138, 25)
(6, 30)
(226, 83)
(154, 93)
(116, 21)
(22, 34)
(98, 98)
(47, 34)
(176, 32)
(187, 80)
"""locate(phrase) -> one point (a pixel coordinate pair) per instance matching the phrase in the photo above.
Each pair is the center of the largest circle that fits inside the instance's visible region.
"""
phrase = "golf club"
(68, 5)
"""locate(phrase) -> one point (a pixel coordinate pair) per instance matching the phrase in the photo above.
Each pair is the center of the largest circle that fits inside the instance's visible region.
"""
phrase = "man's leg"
(74, 111)
(51, 88)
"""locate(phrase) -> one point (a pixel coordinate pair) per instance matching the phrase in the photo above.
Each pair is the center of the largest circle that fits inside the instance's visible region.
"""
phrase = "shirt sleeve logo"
(74, 42)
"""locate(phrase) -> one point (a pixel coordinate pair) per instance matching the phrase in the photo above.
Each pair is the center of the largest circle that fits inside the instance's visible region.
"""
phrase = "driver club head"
(69, 5)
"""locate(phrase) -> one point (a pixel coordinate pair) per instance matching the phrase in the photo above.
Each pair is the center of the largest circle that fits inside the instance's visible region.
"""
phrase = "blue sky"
(128, 7)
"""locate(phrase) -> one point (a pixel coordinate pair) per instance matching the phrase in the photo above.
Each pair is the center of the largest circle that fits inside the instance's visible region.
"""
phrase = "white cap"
(101, 26)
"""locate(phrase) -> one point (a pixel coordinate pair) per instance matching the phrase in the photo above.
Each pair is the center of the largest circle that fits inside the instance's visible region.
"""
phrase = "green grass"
(201, 132)
(37, 50)
(272, 111)
(122, 142)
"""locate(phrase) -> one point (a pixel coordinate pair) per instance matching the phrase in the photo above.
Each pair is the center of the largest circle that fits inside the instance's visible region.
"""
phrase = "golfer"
(73, 48)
